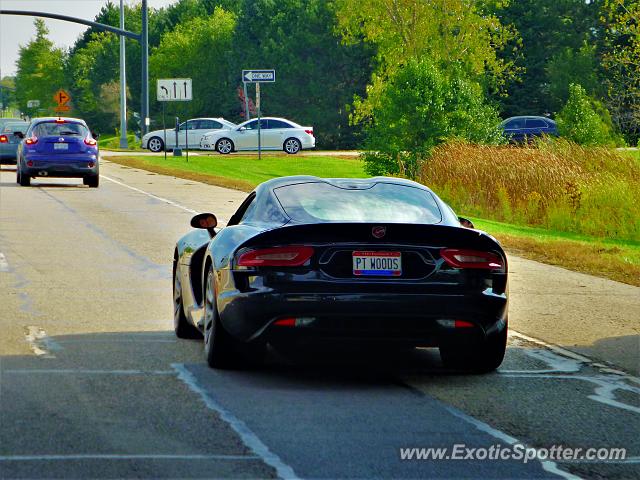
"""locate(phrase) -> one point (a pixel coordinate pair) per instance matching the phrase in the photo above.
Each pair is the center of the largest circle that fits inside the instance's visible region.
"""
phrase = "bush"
(585, 120)
(419, 108)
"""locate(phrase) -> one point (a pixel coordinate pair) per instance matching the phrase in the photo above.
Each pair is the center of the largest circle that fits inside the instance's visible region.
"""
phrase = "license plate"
(382, 264)
(61, 146)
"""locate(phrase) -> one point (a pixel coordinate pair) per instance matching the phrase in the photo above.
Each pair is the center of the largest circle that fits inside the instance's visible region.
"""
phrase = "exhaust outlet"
(43, 174)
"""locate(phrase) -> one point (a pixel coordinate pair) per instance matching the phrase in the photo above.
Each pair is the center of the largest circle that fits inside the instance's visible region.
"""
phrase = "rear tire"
(483, 358)
(155, 144)
(181, 326)
(292, 146)
(92, 182)
(23, 180)
(220, 348)
(224, 146)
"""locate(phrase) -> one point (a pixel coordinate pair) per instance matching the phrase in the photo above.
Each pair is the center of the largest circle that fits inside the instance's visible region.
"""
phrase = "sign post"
(257, 77)
(174, 90)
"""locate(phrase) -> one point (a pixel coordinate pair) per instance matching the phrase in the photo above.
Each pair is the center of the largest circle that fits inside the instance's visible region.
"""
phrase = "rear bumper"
(71, 166)
(412, 319)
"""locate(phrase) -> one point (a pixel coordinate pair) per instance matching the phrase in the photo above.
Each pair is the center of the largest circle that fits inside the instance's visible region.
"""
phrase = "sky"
(18, 30)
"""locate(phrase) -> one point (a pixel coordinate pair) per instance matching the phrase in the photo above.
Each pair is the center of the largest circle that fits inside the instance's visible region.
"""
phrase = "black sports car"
(307, 260)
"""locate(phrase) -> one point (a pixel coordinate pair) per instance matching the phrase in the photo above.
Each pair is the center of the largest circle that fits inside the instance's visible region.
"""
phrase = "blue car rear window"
(46, 129)
(382, 202)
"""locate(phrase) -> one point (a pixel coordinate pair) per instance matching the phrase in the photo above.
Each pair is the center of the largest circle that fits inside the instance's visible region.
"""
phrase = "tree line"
(394, 76)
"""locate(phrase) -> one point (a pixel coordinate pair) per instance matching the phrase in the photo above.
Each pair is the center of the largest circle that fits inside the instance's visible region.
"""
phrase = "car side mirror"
(465, 222)
(242, 129)
(207, 221)
(19, 134)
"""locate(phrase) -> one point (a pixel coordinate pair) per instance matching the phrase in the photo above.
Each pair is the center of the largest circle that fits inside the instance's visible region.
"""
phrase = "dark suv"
(522, 129)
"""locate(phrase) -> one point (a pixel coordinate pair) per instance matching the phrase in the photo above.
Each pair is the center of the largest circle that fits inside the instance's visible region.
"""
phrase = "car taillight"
(290, 256)
(90, 141)
(462, 258)
(31, 140)
(309, 131)
(4, 139)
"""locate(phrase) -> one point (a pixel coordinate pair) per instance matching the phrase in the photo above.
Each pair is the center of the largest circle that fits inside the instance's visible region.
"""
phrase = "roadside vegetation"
(556, 202)
(557, 185)
(112, 142)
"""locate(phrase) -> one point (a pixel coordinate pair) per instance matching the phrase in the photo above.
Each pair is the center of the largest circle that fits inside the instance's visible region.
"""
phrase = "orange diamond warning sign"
(62, 98)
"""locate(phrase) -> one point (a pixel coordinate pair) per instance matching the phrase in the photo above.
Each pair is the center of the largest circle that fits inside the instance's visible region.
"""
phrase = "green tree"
(455, 34)
(570, 66)
(584, 120)
(547, 28)
(621, 64)
(317, 74)
(40, 71)
(200, 49)
(7, 92)
(421, 107)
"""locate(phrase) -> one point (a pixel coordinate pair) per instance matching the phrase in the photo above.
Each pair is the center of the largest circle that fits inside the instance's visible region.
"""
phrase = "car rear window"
(382, 202)
(15, 127)
(46, 129)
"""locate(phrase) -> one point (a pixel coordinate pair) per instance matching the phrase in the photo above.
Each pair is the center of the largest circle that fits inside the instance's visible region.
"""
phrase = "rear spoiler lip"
(478, 235)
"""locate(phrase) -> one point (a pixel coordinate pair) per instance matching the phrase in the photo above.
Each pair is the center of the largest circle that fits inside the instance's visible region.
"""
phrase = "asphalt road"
(93, 384)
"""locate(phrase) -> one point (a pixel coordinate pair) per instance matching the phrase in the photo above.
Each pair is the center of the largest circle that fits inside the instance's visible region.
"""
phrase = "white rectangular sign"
(175, 90)
(258, 76)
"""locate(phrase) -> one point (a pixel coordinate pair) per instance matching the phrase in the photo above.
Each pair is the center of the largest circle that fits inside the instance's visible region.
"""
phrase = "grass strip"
(616, 260)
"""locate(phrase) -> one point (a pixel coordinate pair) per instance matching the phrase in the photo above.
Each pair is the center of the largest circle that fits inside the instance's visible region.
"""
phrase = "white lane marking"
(606, 384)
(141, 340)
(246, 435)
(575, 356)
(562, 351)
(46, 458)
(80, 371)
(547, 465)
(40, 343)
(165, 200)
(4, 265)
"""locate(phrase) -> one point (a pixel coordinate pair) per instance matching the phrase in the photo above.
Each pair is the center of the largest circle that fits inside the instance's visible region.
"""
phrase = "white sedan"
(275, 134)
(189, 134)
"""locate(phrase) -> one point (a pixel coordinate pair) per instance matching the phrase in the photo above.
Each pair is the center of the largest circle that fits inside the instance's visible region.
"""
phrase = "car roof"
(271, 118)
(518, 117)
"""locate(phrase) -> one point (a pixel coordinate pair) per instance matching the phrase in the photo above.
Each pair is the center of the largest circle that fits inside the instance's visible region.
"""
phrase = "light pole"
(123, 85)
(144, 43)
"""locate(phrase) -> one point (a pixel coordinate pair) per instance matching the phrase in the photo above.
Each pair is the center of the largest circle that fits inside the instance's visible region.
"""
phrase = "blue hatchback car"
(522, 129)
(58, 147)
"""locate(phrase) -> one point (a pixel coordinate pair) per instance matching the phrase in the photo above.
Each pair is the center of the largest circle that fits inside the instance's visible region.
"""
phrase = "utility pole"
(123, 84)
(144, 43)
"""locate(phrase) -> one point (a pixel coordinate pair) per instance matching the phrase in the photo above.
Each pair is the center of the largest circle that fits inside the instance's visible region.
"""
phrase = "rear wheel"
(482, 358)
(92, 181)
(292, 145)
(181, 326)
(23, 180)
(224, 146)
(155, 144)
(218, 344)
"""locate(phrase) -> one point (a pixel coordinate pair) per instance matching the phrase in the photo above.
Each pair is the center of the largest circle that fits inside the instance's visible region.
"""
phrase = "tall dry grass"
(558, 185)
